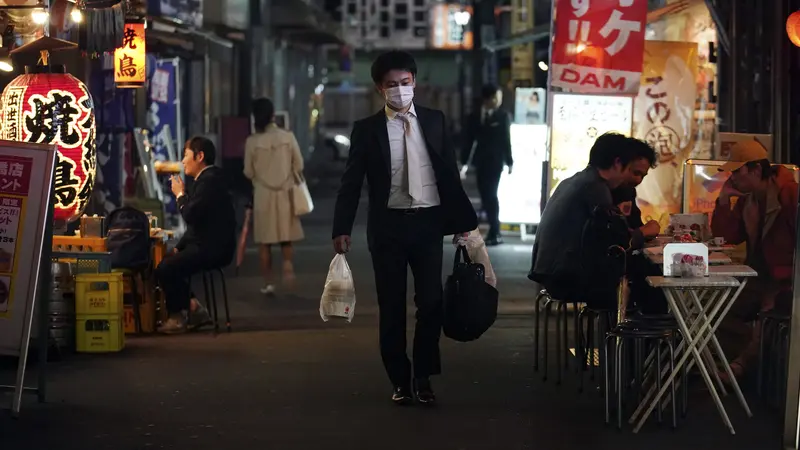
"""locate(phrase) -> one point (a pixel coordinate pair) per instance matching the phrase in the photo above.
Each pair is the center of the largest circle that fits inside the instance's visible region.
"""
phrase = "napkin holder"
(685, 260)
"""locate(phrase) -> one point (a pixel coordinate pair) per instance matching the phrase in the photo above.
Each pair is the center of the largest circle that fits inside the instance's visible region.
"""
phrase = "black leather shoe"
(402, 396)
(424, 391)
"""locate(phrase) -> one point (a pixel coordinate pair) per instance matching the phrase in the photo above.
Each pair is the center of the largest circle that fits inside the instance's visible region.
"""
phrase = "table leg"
(693, 350)
(718, 348)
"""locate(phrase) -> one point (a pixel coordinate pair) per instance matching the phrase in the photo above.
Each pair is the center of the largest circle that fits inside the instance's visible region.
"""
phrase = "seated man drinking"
(210, 238)
(757, 206)
(560, 258)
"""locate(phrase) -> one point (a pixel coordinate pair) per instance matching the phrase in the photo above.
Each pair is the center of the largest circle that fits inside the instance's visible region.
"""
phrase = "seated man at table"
(210, 238)
(757, 206)
(571, 265)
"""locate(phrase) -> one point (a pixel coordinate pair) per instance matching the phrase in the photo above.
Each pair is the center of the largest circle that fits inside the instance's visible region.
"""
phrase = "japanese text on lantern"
(599, 45)
(129, 60)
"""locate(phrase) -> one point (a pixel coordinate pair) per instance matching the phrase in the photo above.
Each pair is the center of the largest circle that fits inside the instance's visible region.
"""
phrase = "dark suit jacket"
(491, 140)
(207, 209)
(370, 157)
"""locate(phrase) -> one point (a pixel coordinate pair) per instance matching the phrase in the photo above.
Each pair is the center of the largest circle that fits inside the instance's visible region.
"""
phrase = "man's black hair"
(612, 146)
(393, 60)
(263, 113)
(199, 144)
(488, 91)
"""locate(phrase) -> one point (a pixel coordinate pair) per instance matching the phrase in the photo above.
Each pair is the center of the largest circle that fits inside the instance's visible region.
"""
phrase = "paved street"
(285, 380)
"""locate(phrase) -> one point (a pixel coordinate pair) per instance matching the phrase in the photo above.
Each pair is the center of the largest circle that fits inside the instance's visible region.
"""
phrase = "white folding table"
(699, 305)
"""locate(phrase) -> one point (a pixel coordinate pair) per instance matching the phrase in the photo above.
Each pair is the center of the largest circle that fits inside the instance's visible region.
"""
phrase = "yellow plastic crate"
(79, 244)
(100, 293)
(99, 333)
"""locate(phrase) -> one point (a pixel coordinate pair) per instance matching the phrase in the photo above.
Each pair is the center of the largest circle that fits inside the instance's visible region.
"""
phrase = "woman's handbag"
(301, 198)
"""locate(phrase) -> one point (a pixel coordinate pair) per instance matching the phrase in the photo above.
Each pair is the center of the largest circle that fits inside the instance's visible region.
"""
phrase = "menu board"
(577, 121)
(23, 212)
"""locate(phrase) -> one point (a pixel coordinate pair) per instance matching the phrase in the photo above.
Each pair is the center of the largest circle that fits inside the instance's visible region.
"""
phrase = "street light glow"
(39, 16)
(5, 65)
(543, 66)
(462, 18)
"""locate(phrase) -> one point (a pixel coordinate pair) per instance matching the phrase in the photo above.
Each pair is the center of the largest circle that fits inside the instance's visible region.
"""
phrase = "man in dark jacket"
(210, 238)
(487, 146)
(415, 198)
(558, 254)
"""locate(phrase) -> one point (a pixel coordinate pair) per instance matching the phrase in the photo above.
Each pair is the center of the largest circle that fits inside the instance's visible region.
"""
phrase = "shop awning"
(301, 21)
(191, 40)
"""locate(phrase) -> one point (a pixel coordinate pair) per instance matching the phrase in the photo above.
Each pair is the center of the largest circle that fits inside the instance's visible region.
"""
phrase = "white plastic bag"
(339, 296)
(476, 249)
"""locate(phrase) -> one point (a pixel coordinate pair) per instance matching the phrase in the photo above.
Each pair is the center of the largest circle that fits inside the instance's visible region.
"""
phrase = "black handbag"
(470, 304)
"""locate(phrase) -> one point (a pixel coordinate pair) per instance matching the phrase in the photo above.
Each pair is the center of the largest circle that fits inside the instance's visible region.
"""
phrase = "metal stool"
(561, 332)
(773, 356)
(211, 297)
(639, 331)
(605, 319)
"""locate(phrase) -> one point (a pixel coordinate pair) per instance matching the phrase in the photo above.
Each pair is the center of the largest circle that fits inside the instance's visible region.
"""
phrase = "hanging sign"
(664, 112)
(130, 59)
(49, 106)
(598, 45)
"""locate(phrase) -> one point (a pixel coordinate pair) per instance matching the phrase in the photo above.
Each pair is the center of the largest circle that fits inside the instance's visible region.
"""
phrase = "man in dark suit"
(488, 145)
(415, 198)
(210, 238)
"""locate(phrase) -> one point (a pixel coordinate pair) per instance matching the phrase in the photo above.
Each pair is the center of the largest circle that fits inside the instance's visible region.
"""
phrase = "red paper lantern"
(793, 28)
(49, 106)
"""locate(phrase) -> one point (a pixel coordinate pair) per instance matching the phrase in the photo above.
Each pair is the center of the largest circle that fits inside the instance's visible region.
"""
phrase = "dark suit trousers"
(488, 182)
(409, 239)
(173, 275)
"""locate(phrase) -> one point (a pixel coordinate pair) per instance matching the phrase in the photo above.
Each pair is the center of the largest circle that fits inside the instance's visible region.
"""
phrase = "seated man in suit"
(210, 238)
(561, 252)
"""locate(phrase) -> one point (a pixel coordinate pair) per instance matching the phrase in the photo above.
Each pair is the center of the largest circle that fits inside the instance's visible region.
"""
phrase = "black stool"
(605, 319)
(773, 356)
(639, 331)
(561, 332)
(211, 297)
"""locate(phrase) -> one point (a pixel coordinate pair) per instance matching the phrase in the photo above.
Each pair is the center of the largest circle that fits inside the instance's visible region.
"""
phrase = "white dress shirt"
(411, 163)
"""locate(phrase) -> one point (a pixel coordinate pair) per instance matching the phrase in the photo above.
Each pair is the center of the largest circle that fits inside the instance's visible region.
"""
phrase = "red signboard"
(15, 175)
(599, 45)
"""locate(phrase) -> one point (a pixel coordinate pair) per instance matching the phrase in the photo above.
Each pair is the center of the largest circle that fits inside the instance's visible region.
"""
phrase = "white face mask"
(399, 96)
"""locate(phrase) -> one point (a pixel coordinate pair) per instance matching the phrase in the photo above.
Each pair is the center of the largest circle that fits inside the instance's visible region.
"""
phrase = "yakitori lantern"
(46, 105)
(793, 28)
(130, 59)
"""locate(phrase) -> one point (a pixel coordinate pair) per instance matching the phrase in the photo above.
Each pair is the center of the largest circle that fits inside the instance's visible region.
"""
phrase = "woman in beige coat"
(272, 161)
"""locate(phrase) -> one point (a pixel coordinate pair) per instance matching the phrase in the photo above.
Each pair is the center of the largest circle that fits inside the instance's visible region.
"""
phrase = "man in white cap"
(757, 206)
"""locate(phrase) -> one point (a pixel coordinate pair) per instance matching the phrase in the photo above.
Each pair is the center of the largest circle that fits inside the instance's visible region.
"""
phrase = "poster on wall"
(664, 118)
(520, 192)
(598, 45)
(529, 106)
(577, 121)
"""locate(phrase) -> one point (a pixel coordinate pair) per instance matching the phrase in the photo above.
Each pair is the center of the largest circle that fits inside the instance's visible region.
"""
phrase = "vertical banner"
(163, 111)
(130, 66)
(664, 118)
(163, 119)
(598, 45)
(577, 121)
(522, 55)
